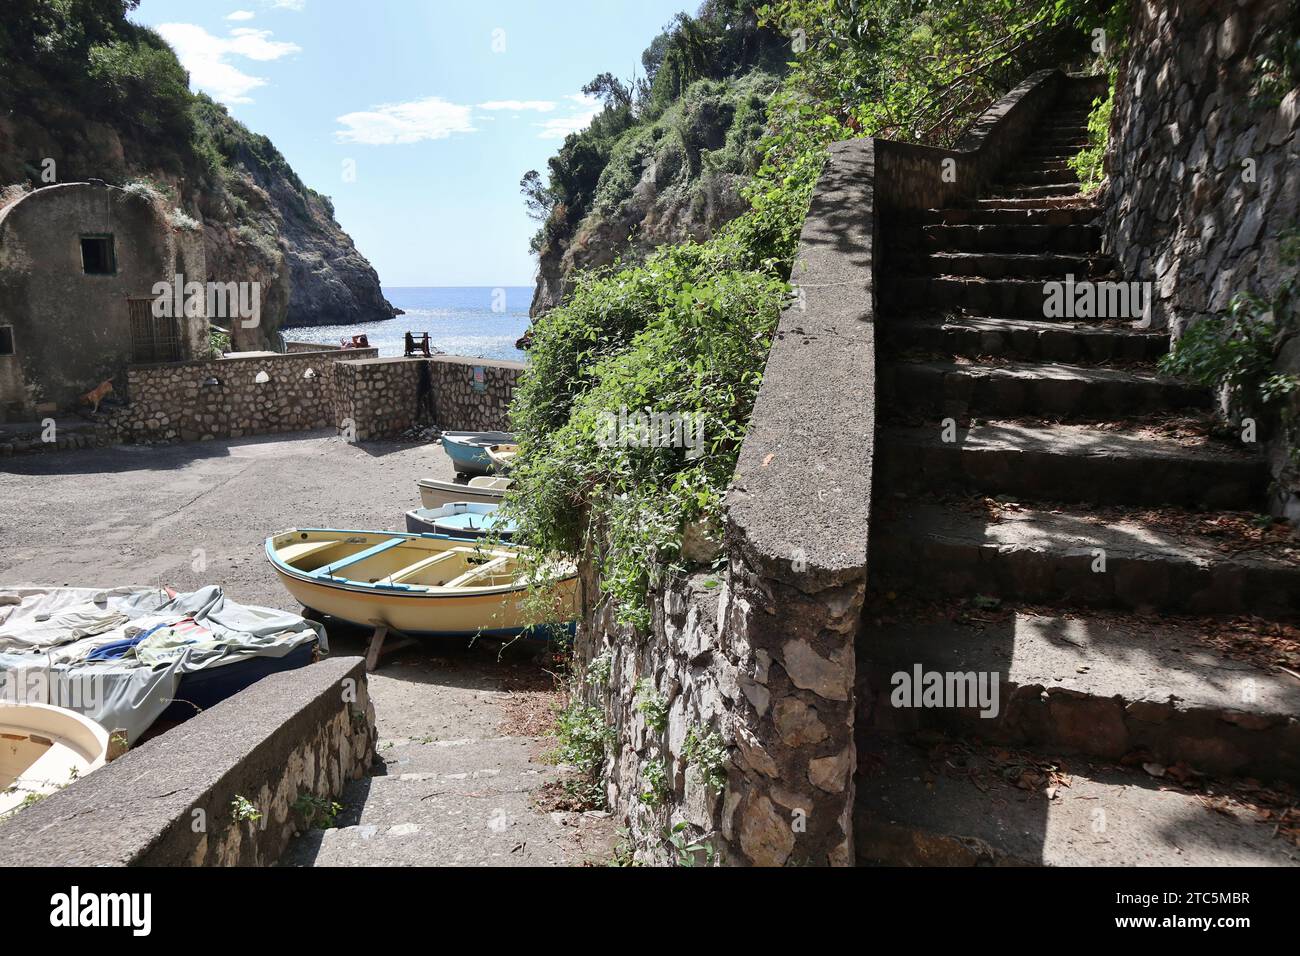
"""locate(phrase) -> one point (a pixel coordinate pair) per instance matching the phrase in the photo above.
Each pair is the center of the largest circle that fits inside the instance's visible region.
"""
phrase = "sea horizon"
(476, 321)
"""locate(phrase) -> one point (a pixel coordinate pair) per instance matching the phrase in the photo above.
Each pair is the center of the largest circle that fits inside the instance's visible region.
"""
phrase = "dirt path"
(460, 771)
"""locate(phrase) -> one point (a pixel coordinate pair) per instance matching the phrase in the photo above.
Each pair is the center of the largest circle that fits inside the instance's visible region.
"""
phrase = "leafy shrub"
(583, 738)
(706, 752)
(1238, 350)
(654, 777)
(652, 705)
(1089, 163)
(139, 80)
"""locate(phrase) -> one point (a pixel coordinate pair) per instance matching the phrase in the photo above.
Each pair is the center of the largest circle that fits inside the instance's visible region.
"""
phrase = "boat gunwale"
(420, 592)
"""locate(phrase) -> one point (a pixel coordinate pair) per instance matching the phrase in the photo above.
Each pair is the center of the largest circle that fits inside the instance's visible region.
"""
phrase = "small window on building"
(97, 256)
(6, 340)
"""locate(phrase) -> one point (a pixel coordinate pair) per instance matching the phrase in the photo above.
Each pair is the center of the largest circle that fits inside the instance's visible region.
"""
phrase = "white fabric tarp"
(46, 634)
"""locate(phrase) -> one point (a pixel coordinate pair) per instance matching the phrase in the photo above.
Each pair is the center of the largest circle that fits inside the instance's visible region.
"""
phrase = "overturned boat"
(419, 584)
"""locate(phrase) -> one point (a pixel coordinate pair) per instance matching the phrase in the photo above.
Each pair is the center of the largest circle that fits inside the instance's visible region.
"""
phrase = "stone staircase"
(1050, 509)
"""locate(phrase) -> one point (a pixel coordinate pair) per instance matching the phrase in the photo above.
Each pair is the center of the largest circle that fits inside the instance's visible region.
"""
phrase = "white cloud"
(241, 15)
(411, 122)
(540, 106)
(435, 118)
(561, 126)
(205, 56)
(294, 5)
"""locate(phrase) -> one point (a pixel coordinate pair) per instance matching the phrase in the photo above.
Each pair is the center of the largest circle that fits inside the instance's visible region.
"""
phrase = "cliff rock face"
(678, 177)
(652, 216)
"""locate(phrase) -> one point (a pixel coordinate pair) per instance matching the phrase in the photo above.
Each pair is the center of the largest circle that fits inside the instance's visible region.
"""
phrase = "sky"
(417, 117)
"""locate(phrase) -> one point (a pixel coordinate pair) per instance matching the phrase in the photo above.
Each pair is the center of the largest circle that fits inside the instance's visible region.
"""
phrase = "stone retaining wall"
(221, 398)
(171, 801)
(762, 654)
(380, 397)
(1204, 178)
(383, 397)
(364, 396)
(473, 394)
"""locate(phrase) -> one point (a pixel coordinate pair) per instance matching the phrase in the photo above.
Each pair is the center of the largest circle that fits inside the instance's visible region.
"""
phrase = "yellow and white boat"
(483, 490)
(415, 583)
(502, 457)
(43, 749)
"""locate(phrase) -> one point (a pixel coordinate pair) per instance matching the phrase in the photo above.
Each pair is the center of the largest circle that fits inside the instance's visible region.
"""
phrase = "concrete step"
(1051, 155)
(451, 802)
(1023, 388)
(1034, 174)
(1068, 139)
(1009, 297)
(1104, 685)
(1017, 265)
(1010, 238)
(1028, 191)
(1075, 558)
(1074, 463)
(1024, 339)
(1009, 211)
(957, 807)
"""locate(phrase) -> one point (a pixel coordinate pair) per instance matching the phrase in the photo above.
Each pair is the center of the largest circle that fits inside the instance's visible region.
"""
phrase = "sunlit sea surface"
(460, 320)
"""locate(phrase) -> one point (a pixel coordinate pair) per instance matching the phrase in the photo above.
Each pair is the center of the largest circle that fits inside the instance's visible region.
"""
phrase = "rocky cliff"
(86, 94)
(678, 178)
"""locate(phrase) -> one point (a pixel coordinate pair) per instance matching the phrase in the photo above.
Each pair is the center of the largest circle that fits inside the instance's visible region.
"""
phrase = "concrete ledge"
(169, 802)
(801, 493)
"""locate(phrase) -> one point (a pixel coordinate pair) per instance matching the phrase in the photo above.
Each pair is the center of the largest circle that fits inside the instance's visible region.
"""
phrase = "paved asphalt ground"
(460, 729)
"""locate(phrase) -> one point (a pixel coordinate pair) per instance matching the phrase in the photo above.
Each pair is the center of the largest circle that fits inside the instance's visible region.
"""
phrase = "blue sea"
(483, 322)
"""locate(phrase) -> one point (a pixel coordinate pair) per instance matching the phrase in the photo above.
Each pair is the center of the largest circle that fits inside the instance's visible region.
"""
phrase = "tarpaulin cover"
(150, 639)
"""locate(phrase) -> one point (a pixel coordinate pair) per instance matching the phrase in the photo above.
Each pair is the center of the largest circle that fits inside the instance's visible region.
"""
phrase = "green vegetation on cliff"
(688, 331)
(106, 98)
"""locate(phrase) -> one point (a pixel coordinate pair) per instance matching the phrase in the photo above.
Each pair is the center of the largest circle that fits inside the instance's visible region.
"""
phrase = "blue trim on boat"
(327, 571)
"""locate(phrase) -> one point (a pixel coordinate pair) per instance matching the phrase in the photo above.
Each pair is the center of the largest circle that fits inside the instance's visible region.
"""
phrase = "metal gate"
(153, 338)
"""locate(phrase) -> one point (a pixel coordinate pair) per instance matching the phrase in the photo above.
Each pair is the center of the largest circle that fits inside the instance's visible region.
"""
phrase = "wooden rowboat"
(414, 583)
(460, 519)
(468, 451)
(483, 490)
(502, 457)
(43, 749)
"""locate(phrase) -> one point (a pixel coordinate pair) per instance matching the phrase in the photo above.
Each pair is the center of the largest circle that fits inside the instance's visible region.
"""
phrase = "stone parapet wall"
(384, 397)
(171, 801)
(181, 401)
(379, 397)
(473, 394)
(762, 653)
(291, 347)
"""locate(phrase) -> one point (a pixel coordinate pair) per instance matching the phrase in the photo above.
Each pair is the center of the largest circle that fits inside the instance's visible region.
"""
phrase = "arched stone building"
(78, 263)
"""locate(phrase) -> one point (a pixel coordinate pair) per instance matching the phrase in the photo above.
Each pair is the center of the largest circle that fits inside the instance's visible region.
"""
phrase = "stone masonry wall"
(170, 801)
(760, 657)
(379, 397)
(366, 397)
(172, 402)
(1204, 177)
(460, 405)
(382, 397)
(731, 657)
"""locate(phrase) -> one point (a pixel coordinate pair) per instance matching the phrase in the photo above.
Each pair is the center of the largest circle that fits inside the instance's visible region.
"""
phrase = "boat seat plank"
(329, 569)
(483, 570)
(296, 552)
(411, 569)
